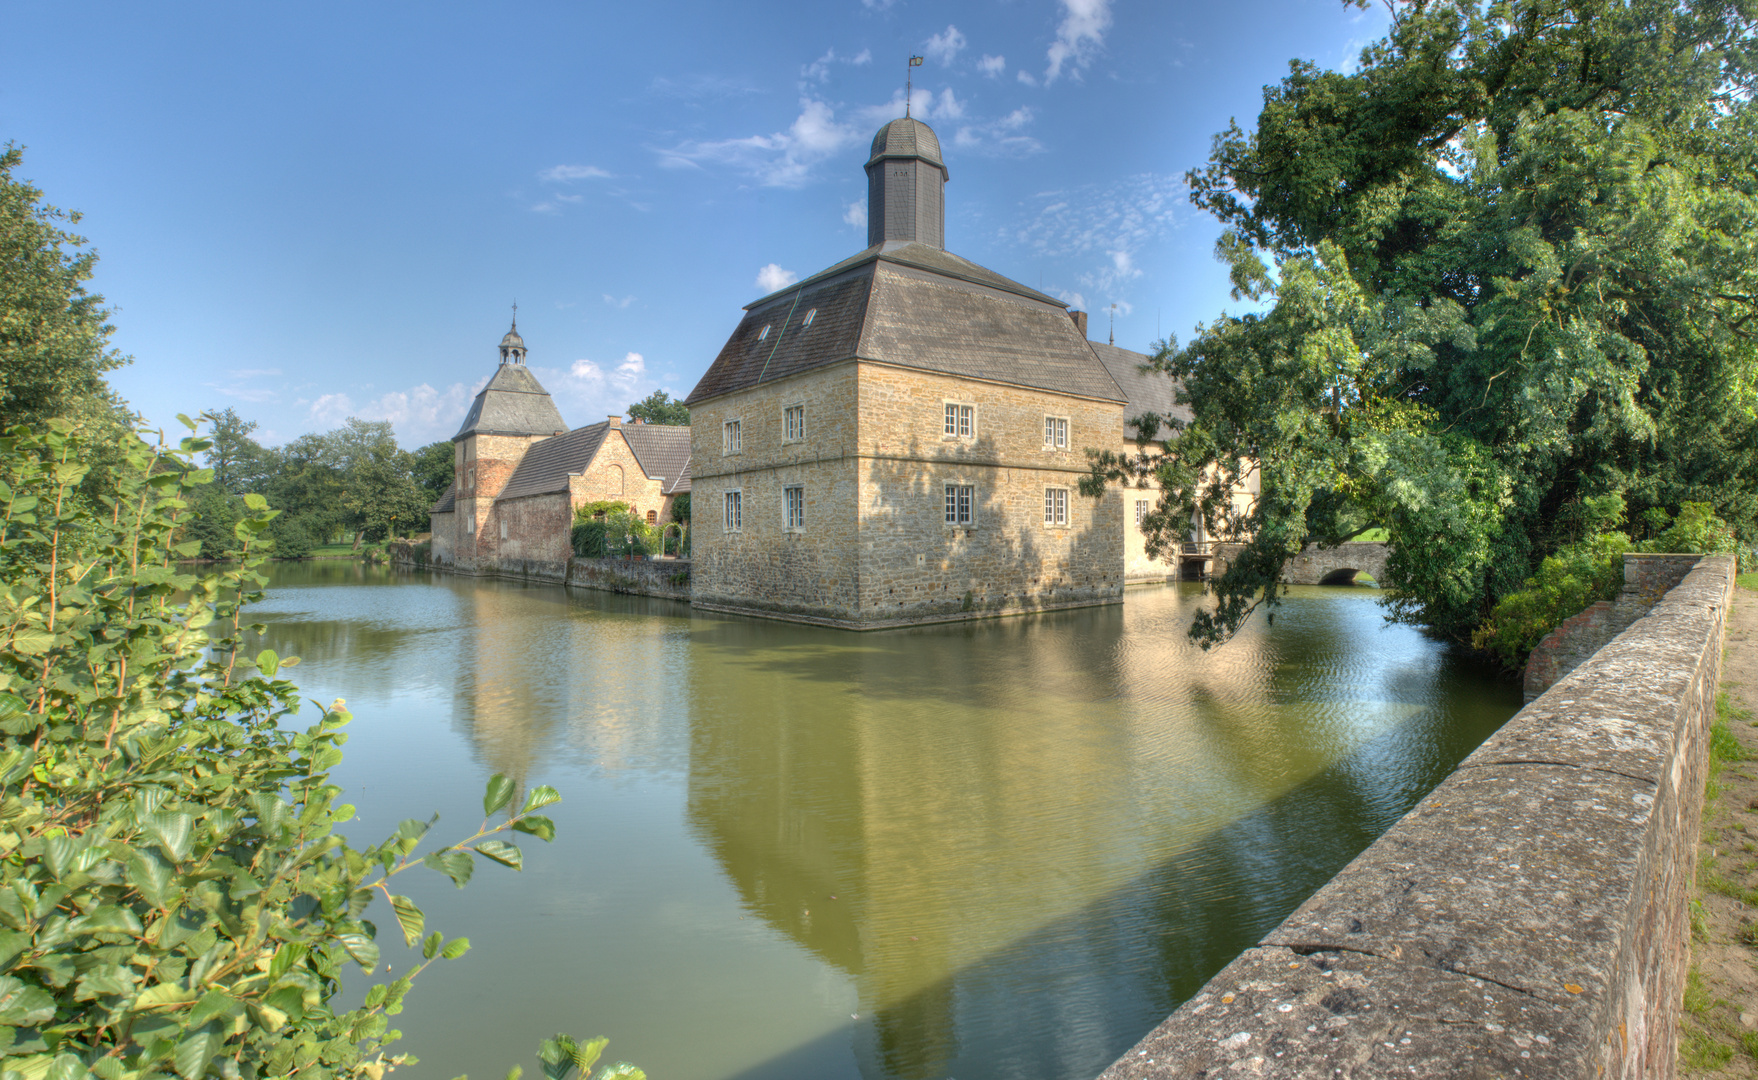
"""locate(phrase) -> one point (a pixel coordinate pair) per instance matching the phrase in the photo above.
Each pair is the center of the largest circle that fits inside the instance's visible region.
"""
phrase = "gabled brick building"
(520, 473)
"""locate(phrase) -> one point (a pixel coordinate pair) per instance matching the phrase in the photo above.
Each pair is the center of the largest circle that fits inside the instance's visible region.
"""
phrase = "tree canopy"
(659, 408)
(1503, 267)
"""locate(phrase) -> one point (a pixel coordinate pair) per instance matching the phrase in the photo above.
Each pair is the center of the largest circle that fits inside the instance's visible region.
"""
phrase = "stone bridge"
(1318, 565)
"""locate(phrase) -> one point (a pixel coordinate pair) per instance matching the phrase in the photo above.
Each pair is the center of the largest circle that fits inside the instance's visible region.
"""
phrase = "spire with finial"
(1113, 340)
(513, 346)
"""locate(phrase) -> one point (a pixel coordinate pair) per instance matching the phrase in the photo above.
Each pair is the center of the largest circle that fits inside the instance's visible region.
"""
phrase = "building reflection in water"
(1025, 839)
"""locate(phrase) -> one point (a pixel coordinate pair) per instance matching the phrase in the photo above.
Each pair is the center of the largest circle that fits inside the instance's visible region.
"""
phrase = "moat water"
(990, 850)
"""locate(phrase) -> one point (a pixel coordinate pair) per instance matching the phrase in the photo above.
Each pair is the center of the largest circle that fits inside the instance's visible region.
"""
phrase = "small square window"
(735, 511)
(794, 423)
(961, 420)
(732, 440)
(794, 501)
(961, 504)
(1056, 432)
(1055, 506)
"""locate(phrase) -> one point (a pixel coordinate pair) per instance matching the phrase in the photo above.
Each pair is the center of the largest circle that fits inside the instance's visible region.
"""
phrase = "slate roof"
(1147, 391)
(907, 137)
(546, 465)
(448, 500)
(682, 484)
(915, 306)
(513, 403)
(662, 449)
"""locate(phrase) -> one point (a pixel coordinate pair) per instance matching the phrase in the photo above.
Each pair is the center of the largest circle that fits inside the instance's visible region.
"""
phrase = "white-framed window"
(1141, 512)
(793, 501)
(793, 422)
(732, 440)
(735, 511)
(807, 321)
(1055, 506)
(1056, 432)
(961, 420)
(961, 504)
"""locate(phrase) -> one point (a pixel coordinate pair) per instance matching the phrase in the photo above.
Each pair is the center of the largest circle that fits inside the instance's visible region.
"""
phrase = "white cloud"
(561, 174)
(949, 108)
(1106, 226)
(1078, 38)
(586, 391)
(784, 159)
(1027, 77)
(1005, 137)
(855, 214)
(992, 66)
(878, 5)
(253, 394)
(1072, 299)
(615, 303)
(944, 46)
(819, 69)
(773, 277)
(420, 415)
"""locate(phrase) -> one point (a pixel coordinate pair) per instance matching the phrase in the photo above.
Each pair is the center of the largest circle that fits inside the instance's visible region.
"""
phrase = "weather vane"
(909, 84)
(515, 313)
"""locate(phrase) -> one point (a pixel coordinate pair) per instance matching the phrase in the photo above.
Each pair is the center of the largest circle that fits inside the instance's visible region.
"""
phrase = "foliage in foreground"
(1508, 264)
(1589, 570)
(174, 899)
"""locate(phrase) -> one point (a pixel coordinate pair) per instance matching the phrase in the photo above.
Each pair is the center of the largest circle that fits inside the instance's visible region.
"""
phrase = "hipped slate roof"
(913, 306)
(1147, 391)
(448, 500)
(513, 403)
(661, 451)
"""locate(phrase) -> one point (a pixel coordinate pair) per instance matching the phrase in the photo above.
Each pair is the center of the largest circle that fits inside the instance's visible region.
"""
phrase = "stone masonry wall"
(531, 535)
(1646, 579)
(1528, 918)
(615, 473)
(763, 567)
(915, 567)
(669, 578)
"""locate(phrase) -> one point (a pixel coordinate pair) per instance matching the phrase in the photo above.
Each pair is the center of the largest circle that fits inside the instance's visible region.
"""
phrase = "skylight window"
(810, 315)
(763, 334)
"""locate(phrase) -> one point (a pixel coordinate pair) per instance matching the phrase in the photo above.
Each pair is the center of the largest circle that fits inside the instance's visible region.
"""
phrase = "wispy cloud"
(1078, 37)
(773, 277)
(420, 415)
(943, 47)
(1105, 225)
(561, 174)
(239, 385)
(586, 391)
(855, 214)
(819, 69)
(784, 159)
(1027, 77)
(615, 303)
(1005, 137)
(992, 66)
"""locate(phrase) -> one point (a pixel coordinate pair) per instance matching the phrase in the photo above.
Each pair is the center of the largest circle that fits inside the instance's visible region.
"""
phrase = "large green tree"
(1504, 266)
(434, 465)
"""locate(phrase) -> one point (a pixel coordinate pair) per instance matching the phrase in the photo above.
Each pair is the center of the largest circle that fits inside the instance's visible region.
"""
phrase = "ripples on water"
(985, 850)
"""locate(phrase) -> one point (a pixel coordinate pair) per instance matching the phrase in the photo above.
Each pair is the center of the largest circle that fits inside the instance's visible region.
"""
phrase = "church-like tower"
(906, 181)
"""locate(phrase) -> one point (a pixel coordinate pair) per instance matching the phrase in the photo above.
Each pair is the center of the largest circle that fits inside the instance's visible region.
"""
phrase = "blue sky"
(312, 211)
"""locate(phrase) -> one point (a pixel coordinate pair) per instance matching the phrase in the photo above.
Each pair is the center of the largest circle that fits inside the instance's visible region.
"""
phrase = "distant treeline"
(351, 482)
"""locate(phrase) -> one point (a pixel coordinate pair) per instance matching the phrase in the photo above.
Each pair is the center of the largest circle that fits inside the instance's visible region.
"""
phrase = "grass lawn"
(1747, 581)
(1370, 536)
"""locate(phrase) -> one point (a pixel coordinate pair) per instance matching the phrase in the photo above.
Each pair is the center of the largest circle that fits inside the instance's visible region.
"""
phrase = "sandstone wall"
(669, 578)
(1528, 918)
(916, 567)
(531, 535)
(615, 473)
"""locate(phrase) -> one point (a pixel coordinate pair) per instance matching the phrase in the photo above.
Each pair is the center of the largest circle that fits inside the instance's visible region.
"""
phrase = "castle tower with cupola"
(511, 413)
(906, 181)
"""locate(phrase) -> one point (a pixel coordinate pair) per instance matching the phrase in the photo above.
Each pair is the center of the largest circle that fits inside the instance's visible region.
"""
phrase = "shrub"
(173, 895)
(587, 539)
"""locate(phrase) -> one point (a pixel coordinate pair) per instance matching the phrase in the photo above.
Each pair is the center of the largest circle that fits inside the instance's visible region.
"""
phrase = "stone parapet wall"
(1528, 918)
(668, 578)
(1315, 565)
(1647, 578)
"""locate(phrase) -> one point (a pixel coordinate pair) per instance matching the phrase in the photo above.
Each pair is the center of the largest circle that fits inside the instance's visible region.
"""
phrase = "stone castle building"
(899, 438)
(519, 473)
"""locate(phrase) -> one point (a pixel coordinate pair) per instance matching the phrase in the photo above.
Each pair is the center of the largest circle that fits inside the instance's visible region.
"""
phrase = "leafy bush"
(173, 895)
(627, 536)
(680, 508)
(587, 539)
(1590, 570)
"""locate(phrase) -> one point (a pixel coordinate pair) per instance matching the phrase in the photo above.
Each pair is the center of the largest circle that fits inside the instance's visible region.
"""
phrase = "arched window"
(652, 517)
(613, 480)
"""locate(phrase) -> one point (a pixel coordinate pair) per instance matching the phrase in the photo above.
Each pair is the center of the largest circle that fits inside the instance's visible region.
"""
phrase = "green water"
(989, 850)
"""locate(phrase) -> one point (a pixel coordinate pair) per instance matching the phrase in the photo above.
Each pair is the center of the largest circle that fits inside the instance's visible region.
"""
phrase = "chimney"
(616, 420)
(1080, 321)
